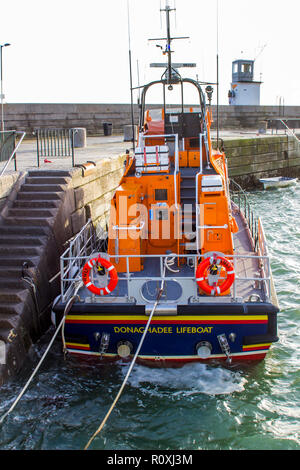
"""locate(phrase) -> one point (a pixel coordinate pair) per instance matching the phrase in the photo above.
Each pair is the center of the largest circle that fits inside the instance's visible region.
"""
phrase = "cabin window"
(161, 194)
(246, 68)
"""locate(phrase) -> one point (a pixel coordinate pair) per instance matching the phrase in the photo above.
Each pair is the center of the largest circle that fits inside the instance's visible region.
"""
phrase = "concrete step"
(22, 240)
(10, 309)
(14, 261)
(31, 212)
(27, 222)
(12, 296)
(18, 230)
(41, 196)
(20, 251)
(36, 204)
(42, 180)
(45, 188)
(7, 322)
(51, 173)
(10, 272)
(12, 283)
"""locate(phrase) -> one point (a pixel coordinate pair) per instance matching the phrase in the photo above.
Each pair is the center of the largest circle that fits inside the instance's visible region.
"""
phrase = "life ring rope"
(112, 274)
(215, 289)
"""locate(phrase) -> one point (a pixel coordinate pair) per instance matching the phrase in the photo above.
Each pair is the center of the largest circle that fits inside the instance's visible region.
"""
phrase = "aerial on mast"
(171, 72)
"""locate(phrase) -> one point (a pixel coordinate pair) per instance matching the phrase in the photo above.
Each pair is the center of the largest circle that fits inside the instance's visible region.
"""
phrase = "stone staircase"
(29, 249)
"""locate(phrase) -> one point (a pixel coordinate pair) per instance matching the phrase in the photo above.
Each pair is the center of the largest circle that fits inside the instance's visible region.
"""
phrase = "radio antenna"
(218, 129)
(130, 71)
(167, 51)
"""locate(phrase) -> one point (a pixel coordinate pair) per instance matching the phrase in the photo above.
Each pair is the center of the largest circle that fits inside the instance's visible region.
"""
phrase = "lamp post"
(2, 95)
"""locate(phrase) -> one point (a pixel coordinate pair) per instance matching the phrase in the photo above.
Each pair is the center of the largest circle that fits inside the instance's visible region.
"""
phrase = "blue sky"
(69, 51)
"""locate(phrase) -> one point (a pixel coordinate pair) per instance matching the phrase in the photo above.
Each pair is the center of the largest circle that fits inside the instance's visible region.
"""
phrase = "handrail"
(81, 248)
(249, 215)
(130, 227)
(128, 277)
(197, 190)
(144, 137)
(292, 133)
(14, 152)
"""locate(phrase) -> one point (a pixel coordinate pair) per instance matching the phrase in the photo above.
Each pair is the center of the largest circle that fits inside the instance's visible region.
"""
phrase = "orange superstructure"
(173, 197)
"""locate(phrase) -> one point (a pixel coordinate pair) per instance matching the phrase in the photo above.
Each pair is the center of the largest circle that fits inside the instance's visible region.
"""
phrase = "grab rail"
(84, 245)
(14, 152)
(290, 132)
(176, 159)
(240, 198)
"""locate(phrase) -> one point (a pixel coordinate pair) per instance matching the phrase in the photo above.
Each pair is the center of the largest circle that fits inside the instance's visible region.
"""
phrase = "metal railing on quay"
(55, 143)
(9, 148)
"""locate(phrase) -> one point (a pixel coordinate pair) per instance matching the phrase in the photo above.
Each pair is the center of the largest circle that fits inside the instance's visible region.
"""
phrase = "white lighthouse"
(244, 90)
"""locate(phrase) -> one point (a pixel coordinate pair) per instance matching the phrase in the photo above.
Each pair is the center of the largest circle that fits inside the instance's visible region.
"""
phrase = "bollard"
(79, 137)
(128, 133)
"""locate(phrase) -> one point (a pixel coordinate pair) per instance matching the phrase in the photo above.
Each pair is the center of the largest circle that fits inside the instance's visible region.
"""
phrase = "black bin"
(107, 128)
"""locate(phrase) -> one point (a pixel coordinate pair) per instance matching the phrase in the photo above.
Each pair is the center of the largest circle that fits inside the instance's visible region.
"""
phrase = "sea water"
(197, 407)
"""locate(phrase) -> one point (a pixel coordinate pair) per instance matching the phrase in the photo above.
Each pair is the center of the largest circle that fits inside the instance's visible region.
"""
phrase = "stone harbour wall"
(92, 193)
(31, 116)
(252, 159)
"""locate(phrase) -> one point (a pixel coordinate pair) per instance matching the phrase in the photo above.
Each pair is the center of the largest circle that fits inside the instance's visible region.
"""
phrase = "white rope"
(132, 363)
(67, 309)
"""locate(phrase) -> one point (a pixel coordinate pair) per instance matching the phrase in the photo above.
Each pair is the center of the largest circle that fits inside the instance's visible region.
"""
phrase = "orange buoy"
(112, 274)
(201, 279)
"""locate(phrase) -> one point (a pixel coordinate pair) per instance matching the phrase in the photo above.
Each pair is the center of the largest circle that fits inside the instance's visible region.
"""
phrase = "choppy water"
(197, 407)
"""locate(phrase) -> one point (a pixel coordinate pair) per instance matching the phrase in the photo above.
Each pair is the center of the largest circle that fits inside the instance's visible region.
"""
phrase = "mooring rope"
(133, 360)
(66, 311)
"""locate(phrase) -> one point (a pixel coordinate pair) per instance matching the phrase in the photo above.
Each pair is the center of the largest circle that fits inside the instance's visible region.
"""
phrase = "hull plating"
(171, 340)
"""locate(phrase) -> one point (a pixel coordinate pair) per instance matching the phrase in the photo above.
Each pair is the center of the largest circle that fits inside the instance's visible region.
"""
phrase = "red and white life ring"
(112, 274)
(201, 279)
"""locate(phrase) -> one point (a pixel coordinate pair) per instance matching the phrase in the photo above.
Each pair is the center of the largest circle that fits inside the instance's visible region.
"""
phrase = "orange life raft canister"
(112, 274)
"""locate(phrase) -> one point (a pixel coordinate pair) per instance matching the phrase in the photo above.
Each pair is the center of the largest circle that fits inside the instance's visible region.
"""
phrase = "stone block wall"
(92, 194)
(7, 183)
(29, 116)
(252, 159)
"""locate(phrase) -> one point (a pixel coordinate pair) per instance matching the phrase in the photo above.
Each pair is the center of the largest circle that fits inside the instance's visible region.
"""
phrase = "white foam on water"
(189, 380)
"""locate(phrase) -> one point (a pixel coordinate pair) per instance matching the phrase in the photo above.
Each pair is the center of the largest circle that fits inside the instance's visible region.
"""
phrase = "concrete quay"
(99, 147)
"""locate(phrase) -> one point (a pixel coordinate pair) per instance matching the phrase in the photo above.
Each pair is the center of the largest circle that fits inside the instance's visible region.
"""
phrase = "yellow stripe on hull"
(264, 345)
(167, 318)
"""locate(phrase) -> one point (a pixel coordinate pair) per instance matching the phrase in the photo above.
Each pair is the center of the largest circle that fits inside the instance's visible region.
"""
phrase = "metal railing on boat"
(85, 246)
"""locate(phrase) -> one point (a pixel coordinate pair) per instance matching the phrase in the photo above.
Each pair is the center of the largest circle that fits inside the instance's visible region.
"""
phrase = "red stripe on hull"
(169, 322)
